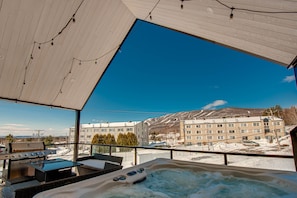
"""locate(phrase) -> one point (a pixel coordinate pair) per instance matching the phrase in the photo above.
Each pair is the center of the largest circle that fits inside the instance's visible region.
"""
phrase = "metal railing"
(116, 149)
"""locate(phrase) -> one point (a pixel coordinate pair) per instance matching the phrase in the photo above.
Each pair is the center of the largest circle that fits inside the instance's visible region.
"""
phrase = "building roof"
(110, 124)
(55, 52)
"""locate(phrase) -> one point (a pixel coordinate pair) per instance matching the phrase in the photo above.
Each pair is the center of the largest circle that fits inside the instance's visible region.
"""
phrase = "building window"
(103, 130)
(244, 130)
(266, 125)
(220, 131)
(244, 138)
(208, 125)
(111, 130)
(89, 136)
(199, 138)
(219, 125)
(188, 137)
(209, 132)
(129, 129)
(276, 123)
(243, 124)
(231, 125)
(120, 130)
(209, 137)
(232, 137)
(188, 126)
(220, 137)
(257, 130)
(188, 132)
(266, 130)
(198, 132)
(231, 131)
(257, 138)
(198, 126)
(256, 124)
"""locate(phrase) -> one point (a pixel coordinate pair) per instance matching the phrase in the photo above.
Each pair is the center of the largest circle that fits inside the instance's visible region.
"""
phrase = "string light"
(95, 60)
(231, 14)
(250, 10)
(227, 6)
(150, 13)
(72, 19)
(80, 61)
(182, 3)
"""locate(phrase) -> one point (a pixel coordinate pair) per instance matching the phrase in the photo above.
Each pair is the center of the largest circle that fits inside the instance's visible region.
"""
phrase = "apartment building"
(231, 130)
(87, 131)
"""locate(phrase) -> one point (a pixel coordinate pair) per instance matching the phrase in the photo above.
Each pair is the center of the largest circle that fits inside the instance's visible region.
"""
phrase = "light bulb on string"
(231, 14)
(52, 43)
(73, 18)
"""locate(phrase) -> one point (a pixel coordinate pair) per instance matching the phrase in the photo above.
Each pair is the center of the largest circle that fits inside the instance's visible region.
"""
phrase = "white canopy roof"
(55, 52)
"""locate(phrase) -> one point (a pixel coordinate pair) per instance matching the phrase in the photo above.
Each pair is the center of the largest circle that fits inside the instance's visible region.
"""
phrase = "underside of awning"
(55, 52)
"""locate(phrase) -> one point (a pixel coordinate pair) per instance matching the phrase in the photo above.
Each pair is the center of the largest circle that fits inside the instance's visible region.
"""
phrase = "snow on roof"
(110, 124)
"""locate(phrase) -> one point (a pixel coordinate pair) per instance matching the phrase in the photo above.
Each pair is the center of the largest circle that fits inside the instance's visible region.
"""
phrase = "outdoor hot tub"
(173, 178)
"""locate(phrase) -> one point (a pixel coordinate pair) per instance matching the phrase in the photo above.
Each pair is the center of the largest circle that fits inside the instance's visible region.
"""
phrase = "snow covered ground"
(144, 155)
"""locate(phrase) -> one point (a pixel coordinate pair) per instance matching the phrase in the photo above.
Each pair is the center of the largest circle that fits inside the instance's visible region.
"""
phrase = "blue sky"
(159, 71)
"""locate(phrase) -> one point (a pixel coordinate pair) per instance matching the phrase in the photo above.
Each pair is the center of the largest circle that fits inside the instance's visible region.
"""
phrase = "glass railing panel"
(209, 158)
(145, 155)
(63, 151)
(128, 155)
(286, 164)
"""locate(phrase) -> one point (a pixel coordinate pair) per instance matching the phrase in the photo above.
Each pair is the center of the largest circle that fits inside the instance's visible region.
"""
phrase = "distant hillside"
(170, 122)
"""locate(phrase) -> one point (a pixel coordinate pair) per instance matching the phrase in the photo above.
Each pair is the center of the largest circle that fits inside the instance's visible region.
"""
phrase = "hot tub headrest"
(98, 156)
(110, 158)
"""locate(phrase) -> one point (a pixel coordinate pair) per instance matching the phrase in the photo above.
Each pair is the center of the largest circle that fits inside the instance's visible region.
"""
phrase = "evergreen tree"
(95, 139)
(132, 139)
(9, 138)
(109, 139)
(48, 140)
(120, 139)
(128, 139)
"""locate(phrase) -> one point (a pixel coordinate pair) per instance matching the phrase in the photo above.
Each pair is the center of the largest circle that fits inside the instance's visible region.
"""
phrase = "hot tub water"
(186, 183)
